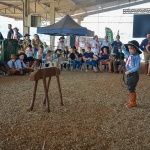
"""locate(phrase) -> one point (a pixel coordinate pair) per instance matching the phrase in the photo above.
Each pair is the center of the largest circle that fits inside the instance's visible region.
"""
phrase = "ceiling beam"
(10, 6)
(110, 9)
(84, 5)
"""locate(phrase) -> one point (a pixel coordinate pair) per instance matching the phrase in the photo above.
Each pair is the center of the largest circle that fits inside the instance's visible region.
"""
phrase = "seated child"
(49, 59)
(29, 52)
(23, 68)
(66, 53)
(36, 65)
(58, 58)
(74, 60)
(49, 56)
(81, 55)
(105, 59)
(89, 57)
(13, 68)
(119, 60)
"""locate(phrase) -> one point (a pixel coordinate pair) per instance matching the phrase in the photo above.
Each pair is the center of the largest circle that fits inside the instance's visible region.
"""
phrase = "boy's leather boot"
(132, 102)
(128, 101)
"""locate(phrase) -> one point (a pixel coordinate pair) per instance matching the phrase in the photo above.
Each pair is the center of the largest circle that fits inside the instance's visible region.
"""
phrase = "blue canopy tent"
(65, 27)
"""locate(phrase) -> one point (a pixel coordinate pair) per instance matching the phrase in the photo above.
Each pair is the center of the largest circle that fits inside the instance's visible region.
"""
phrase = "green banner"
(109, 33)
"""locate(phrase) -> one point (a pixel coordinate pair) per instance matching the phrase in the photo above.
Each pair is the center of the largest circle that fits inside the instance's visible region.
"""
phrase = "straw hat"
(13, 56)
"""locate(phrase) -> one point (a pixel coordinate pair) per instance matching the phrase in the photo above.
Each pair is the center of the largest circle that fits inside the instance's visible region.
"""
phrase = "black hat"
(73, 47)
(105, 47)
(148, 32)
(135, 44)
(21, 53)
(61, 38)
(26, 35)
(57, 50)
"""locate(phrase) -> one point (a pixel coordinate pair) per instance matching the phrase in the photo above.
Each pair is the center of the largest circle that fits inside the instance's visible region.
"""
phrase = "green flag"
(109, 33)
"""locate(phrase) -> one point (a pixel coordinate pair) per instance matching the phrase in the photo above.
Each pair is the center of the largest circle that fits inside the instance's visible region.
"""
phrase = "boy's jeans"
(93, 63)
(78, 62)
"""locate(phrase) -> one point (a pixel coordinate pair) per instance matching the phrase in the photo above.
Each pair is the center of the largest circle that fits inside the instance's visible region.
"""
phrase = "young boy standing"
(132, 66)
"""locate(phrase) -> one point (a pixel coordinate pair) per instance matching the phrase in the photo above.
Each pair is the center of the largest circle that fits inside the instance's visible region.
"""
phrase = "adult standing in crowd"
(143, 46)
(36, 42)
(26, 42)
(16, 31)
(82, 43)
(10, 33)
(115, 47)
(61, 44)
(95, 45)
(19, 41)
(1, 36)
(106, 42)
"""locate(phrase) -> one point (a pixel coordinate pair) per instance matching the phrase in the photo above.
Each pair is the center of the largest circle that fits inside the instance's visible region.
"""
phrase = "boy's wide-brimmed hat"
(135, 44)
(13, 56)
(26, 35)
(61, 38)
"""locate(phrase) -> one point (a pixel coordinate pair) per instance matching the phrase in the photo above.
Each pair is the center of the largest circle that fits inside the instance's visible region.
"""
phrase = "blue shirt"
(115, 46)
(104, 43)
(19, 34)
(143, 44)
(20, 63)
(104, 56)
(10, 64)
(77, 53)
(10, 32)
(88, 55)
(133, 62)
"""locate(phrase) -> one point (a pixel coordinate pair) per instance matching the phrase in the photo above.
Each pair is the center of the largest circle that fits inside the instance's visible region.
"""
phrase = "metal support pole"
(26, 13)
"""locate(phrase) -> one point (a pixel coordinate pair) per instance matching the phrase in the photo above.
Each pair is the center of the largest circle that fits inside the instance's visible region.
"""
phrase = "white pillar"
(52, 21)
(79, 20)
(26, 13)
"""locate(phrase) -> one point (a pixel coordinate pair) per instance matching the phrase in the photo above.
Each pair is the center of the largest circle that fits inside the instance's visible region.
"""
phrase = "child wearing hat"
(132, 66)
(23, 68)
(13, 69)
(61, 44)
(26, 41)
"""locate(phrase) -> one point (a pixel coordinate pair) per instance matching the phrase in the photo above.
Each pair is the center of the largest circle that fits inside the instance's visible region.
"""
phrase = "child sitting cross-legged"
(13, 68)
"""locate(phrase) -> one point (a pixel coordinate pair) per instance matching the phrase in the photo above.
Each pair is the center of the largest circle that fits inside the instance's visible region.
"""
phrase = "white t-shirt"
(95, 47)
(104, 43)
(29, 52)
(82, 45)
(61, 45)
